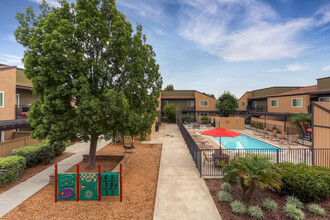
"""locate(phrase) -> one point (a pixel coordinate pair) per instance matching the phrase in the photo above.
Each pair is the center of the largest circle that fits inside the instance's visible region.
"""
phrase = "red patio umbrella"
(220, 132)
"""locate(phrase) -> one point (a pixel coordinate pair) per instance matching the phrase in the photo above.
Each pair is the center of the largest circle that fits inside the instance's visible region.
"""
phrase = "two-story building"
(15, 92)
(189, 102)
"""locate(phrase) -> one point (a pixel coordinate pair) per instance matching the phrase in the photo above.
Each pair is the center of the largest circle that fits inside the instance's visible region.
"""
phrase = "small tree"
(170, 112)
(227, 104)
(169, 88)
(205, 119)
(253, 171)
(301, 121)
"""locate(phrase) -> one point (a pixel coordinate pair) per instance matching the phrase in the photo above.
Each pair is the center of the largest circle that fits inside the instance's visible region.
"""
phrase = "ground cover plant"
(255, 212)
(225, 196)
(269, 204)
(293, 212)
(14, 165)
(316, 209)
(238, 207)
(294, 201)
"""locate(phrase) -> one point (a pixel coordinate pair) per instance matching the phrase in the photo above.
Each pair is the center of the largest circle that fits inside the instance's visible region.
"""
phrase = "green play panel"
(66, 186)
(110, 184)
(88, 186)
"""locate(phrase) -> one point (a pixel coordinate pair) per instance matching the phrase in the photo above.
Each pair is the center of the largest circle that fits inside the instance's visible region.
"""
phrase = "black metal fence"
(208, 161)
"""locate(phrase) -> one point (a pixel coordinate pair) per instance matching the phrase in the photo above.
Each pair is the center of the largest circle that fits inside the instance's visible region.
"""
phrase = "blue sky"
(218, 45)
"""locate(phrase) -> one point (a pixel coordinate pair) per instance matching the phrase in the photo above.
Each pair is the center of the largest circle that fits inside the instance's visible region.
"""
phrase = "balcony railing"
(257, 109)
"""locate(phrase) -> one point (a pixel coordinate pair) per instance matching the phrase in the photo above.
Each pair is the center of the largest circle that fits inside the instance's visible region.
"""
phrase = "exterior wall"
(285, 104)
(200, 97)
(272, 91)
(232, 123)
(8, 86)
(323, 83)
(7, 146)
(25, 98)
(21, 78)
(321, 136)
(244, 99)
(179, 103)
(270, 124)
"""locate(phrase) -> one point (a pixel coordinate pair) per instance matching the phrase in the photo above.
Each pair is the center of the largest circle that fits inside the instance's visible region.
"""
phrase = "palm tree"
(254, 171)
(301, 121)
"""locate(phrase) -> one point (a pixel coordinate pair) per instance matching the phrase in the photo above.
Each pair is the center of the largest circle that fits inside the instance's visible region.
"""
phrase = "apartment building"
(190, 102)
(292, 100)
(15, 92)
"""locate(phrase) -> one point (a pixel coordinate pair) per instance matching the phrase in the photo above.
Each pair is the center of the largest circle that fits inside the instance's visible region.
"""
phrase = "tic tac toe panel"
(110, 184)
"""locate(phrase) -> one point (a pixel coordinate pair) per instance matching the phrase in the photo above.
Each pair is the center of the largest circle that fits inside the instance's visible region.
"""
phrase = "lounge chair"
(260, 133)
(272, 135)
(292, 141)
(207, 158)
(281, 137)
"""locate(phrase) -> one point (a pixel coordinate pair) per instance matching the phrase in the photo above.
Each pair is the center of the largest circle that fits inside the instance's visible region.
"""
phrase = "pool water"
(245, 142)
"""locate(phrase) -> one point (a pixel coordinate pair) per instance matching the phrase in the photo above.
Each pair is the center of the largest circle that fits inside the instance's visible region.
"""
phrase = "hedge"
(40, 153)
(307, 183)
(15, 166)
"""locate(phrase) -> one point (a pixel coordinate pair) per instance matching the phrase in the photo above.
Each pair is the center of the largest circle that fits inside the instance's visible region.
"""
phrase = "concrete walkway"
(18, 194)
(181, 193)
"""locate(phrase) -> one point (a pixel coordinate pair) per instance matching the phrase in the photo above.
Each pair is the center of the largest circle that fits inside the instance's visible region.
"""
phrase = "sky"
(217, 45)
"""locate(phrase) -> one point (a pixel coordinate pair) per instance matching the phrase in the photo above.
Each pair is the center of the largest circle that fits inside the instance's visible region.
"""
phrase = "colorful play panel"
(87, 186)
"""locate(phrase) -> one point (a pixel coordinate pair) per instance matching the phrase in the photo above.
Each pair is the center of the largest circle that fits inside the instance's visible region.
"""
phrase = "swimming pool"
(246, 143)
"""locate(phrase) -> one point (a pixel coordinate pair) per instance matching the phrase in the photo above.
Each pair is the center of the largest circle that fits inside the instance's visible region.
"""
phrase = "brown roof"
(302, 90)
(323, 104)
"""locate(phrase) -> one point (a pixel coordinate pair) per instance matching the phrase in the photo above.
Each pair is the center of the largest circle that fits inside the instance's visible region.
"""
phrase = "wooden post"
(56, 182)
(78, 183)
(99, 178)
(121, 183)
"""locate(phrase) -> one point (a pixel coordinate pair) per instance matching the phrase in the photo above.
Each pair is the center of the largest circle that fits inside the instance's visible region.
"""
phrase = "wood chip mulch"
(139, 193)
(30, 172)
(214, 186)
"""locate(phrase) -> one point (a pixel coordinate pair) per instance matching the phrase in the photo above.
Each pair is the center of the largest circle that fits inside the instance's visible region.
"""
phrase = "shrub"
(255, 212)
(316, 209)
(248, 121)
(15, 166)
(293, 212)
(59, 148)
(307, 183)
(225, 196)
(226, 187)
(170, 112)
(238, 207)
(186, 118)
(30, 153)
(269, 204)
(205, 119)
(294, 201)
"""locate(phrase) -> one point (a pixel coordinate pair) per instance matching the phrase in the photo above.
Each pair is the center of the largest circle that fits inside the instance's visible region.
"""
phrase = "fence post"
(277, 155)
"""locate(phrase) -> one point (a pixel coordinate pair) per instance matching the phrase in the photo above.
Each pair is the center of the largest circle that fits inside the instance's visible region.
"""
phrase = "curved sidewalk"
(18, 194)
(181, 193)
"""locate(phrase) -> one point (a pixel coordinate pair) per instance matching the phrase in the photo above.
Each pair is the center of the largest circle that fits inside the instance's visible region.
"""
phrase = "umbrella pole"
(220, 143)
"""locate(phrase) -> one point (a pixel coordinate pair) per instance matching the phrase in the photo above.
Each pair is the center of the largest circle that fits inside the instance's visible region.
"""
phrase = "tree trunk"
(248, 193)
(92, 153)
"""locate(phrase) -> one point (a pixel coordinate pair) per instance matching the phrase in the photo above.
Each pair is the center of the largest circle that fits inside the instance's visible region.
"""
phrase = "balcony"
(261, 108)
(187, 108)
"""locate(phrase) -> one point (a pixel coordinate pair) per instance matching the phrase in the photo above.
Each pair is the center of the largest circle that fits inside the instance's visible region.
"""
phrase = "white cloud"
(236, 30)
(326, 68)
(290, 68)
(53, 3)
(144, 8)
(12, 60)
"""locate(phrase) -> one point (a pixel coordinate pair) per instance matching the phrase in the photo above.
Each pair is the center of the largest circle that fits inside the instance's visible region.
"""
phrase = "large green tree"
(92, 75)
(227, 104)
(169, 87)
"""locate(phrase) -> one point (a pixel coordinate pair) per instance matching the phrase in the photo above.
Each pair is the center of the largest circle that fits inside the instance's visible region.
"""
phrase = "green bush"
(269, 204)
(255, 212)
(170, 112)
(15, 166)
(238, 207)
(40, 153)
(316, 209)
(248, 121)
(205, 119)
(294, 201)
(225, 196)
(307, 183)
(293, 212)
(226, 187)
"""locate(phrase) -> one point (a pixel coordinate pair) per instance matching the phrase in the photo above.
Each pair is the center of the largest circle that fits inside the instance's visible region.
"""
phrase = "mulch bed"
(140, 178)
(225, 209)
(30, 172)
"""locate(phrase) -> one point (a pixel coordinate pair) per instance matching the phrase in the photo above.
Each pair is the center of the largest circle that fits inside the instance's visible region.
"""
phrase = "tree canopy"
(93, 76)
(301, 121)
(169, 87)
(227, 104)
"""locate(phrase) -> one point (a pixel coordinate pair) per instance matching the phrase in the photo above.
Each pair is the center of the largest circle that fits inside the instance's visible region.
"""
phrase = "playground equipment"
(88, 186)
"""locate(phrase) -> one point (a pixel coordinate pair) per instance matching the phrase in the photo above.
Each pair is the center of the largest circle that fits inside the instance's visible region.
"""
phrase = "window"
(2, 136)
(2, 99)
(190, 103)
(324, 99)
(17, 100)
(204, 114)
(165, 103)
(274, 103)
(204, 103)
(254, 104)
(243, 104)
(298, 102)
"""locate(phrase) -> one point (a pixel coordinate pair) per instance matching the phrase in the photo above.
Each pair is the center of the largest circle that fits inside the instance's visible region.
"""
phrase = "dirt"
(29, 172)
(236, 192)
(139, 193)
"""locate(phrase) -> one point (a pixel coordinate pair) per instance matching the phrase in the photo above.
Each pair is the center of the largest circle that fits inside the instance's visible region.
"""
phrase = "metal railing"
(207, 160)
